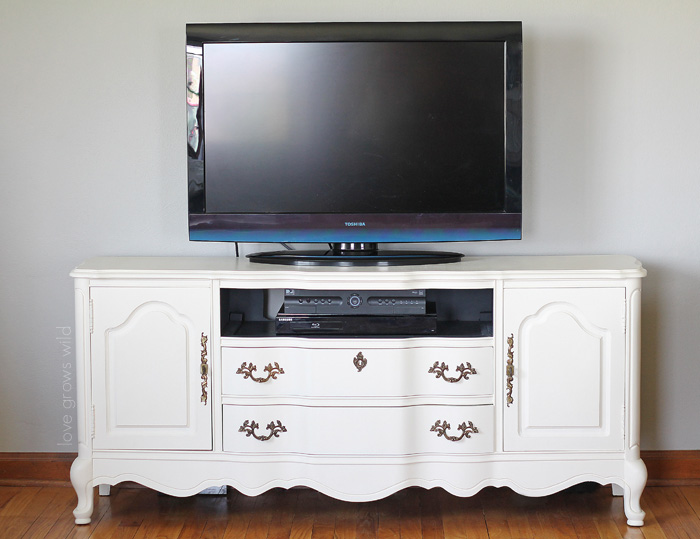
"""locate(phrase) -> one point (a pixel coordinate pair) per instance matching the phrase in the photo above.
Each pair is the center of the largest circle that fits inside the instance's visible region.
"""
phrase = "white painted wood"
(236, 271)
(359, 435)
(569, 369)
(360, 479)
(146, 351)
(390, 430)
(82, 471)
(314, 368)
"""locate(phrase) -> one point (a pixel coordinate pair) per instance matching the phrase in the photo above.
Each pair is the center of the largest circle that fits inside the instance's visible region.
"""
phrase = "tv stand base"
(355, 254)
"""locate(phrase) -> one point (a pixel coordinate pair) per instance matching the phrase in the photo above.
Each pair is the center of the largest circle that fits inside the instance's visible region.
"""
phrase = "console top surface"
(481, 268)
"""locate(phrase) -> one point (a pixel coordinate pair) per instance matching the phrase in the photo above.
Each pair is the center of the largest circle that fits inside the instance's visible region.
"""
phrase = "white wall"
(92, 162)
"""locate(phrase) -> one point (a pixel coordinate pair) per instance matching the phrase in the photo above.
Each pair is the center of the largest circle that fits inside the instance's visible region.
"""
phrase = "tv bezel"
(386, 227)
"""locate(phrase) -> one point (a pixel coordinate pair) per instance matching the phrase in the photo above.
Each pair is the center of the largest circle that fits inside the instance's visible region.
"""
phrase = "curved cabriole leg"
(81, 478)
(636, 478)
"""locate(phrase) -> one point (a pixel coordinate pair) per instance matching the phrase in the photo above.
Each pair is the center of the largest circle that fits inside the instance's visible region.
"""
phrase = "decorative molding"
(666, 468)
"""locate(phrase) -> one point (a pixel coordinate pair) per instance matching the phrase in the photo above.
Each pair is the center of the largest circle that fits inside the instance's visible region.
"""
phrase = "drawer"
(358, 372)
(370, 431)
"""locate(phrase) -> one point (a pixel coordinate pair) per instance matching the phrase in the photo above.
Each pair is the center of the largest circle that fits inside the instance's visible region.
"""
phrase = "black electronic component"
(355, 302)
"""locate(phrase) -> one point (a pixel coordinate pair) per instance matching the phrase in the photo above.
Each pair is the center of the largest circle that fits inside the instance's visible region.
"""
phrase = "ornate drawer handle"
(204, 369)
(442, 428)
(272, 371)
(510, 371)
(359, 361)
(441, 369)
(275, 428)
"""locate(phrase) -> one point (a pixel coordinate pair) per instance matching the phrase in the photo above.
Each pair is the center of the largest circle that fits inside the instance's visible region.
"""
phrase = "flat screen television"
(354, 134)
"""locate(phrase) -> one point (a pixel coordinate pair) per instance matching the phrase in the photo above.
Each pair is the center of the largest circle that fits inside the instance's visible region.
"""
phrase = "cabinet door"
(147, 352)
(568, 369)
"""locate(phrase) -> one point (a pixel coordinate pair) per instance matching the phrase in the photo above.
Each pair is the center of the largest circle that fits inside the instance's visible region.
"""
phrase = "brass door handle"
(249, 428)
(272, 371)
(440, 369)
(510, 372)
(204, 369)
(442, 427)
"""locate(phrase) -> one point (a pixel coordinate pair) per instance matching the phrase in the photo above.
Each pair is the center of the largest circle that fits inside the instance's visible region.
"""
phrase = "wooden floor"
(584, 511)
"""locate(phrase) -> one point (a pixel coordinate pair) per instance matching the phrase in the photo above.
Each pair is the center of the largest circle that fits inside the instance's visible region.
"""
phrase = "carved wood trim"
(666, 468)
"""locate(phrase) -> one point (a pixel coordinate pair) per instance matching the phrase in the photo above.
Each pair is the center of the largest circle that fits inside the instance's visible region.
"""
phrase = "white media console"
(531, 382)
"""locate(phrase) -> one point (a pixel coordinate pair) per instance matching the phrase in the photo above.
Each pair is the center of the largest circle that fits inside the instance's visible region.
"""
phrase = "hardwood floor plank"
(34, 512)
(463, 518)
(496, 509)
(346, 521)
(410, 521)
(240, 510)
(214, 529)
(366, 521)
(161, 519)
(127, 508)
(692, 495)
(303, 523)
(673, 512)
(389, 517)
(6, 494)
(16, 505)
(193, 528)
(15, 526)
(324, 517)
(591, 511)
(163, 529)
(121, 532)
(259, 525)
(21, 511)
(553, 517)
(61, 503)
(281, 523)
(521, 514)
(430, 516)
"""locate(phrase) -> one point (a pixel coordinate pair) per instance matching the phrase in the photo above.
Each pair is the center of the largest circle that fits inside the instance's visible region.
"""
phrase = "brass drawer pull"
(359, 361)
(510, 371)
(440, 369)
(442, 428)
(275, 428)
(204, 369)
(272, 371)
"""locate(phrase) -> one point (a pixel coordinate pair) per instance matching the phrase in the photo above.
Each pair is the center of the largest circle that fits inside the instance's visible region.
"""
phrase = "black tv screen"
(381, 132)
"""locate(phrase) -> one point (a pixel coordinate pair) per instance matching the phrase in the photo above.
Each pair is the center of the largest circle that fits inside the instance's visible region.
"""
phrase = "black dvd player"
(355, 312)
(355, 302)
